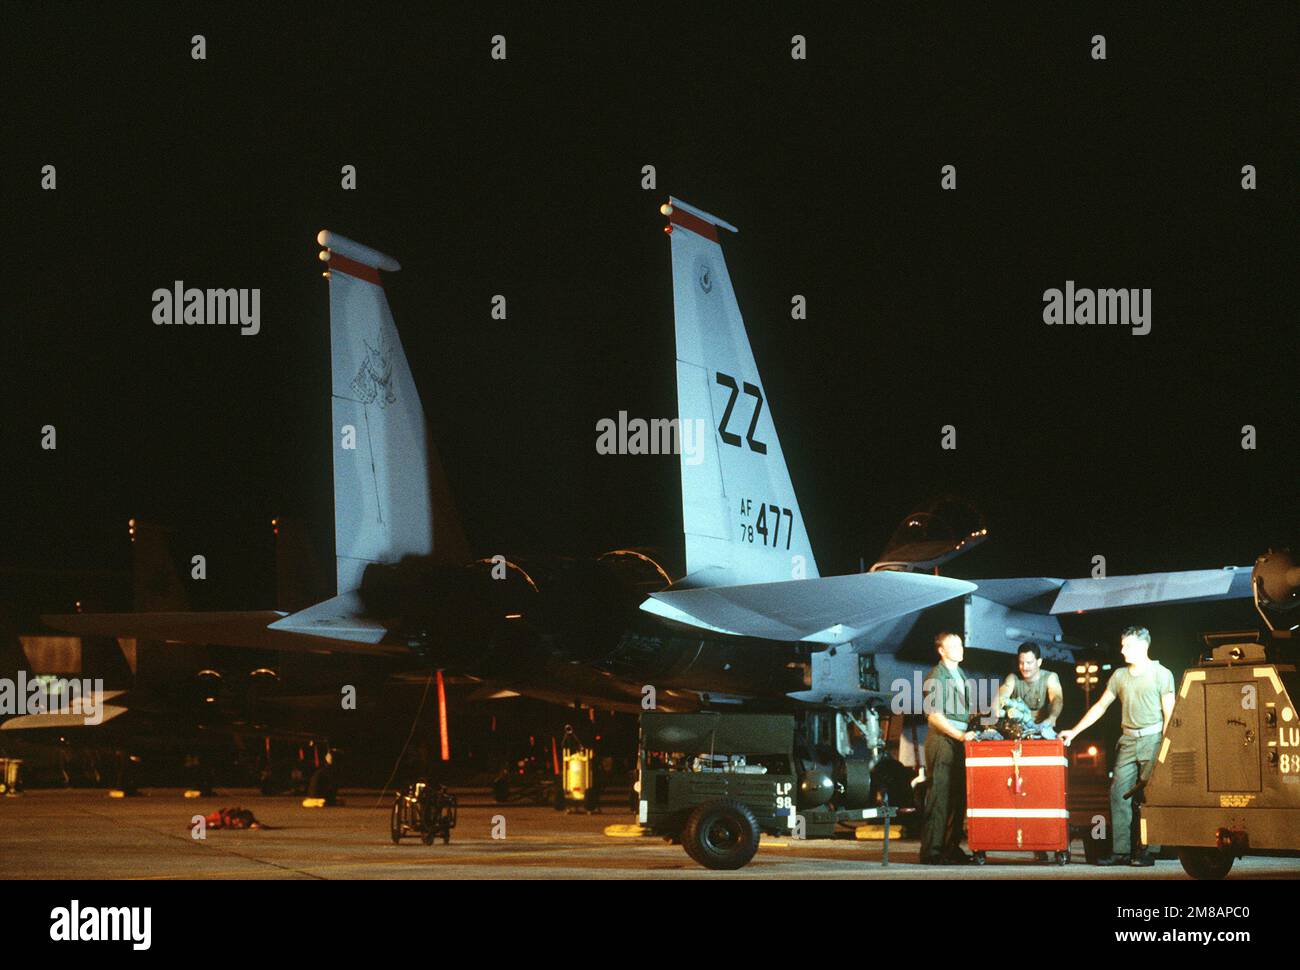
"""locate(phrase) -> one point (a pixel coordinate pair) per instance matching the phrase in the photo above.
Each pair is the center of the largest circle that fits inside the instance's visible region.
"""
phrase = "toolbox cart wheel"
(980, 857)
(722, 834)
(1063, 858)
(1202, 862)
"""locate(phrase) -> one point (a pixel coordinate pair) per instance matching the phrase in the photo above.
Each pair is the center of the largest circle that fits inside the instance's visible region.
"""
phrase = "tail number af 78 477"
(767, 536)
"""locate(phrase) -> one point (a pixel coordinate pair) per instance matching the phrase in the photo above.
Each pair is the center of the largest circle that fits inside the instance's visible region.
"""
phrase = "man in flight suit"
(1145, 689)
(947, 709)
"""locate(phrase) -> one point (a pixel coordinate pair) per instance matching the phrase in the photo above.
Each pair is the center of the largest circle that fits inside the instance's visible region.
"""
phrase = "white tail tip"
(356, 251)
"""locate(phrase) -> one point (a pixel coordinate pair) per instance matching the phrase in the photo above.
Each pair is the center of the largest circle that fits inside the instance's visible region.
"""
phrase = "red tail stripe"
(350, 266)
(681, 217)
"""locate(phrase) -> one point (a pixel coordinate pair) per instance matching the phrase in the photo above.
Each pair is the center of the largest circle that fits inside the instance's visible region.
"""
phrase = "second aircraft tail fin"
(391, 498)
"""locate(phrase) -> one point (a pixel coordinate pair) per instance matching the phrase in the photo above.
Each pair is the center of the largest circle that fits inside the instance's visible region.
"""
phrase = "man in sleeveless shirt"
(1145, 690)
(1039, 689)
(948, 714)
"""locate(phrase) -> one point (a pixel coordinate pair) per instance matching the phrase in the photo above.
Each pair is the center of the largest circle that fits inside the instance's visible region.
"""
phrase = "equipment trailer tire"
(721, 834)
(1201, 862)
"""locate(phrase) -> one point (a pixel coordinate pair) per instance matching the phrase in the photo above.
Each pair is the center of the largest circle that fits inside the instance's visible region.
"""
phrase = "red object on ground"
(1015, 796)
(229, 818)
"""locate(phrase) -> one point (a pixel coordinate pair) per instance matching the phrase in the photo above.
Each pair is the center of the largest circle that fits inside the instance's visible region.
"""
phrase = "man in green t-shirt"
(1145, 689)
(947, 706)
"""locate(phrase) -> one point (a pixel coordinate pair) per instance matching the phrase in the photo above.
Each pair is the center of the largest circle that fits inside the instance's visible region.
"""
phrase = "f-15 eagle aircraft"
(751, 621)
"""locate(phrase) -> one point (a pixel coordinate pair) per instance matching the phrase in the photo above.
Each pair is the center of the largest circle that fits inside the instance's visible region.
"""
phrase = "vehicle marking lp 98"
(767, 527)
(783, 797)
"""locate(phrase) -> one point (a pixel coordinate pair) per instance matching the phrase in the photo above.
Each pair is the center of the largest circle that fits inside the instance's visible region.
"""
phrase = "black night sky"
(523, 178)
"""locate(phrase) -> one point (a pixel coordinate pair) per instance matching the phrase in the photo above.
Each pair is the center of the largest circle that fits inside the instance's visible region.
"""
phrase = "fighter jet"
(210, 702)
(751, 622)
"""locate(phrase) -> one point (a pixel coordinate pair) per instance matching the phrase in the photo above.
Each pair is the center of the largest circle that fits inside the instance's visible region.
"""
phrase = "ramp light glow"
(442, 719)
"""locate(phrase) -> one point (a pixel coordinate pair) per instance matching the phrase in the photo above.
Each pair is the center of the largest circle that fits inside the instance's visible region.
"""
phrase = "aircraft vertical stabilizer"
(739, 512)
(156, 585)
(390, 495)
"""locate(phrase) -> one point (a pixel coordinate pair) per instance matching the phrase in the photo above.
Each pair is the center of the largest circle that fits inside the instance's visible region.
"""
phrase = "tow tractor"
(1226, 781)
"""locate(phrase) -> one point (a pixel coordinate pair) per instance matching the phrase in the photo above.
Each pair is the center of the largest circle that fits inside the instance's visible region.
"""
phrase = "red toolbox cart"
(1015, 798)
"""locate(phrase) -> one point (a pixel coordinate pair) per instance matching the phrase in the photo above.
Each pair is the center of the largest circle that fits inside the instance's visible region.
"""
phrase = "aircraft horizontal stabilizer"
(1081, 595)
(340, 618)
(236, 629)
(831, 610)
(1046, 595)
(76, 716)
(52, 720)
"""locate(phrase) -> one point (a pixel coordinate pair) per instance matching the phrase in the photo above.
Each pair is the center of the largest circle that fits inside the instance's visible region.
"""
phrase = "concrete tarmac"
(84, 834)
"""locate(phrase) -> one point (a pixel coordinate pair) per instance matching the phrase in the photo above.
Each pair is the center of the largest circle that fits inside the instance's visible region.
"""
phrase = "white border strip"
(1034, 761)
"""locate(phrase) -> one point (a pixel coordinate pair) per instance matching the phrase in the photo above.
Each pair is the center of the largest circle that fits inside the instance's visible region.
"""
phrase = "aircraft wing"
(832, 610)
(1053, 596)
(235, 629)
